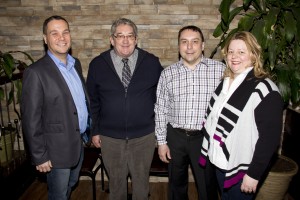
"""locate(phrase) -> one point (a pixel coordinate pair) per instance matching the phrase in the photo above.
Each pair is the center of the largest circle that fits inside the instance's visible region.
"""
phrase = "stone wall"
(158, 22)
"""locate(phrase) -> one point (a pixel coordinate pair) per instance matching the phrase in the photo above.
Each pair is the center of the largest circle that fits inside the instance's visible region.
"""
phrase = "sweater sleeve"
(94, 97)
(268, 118)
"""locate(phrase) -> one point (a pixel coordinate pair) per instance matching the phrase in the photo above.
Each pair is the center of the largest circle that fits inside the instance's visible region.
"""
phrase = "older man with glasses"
(122, 85)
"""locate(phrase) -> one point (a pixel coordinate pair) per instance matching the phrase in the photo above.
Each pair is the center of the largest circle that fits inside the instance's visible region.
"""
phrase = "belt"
(189, 132)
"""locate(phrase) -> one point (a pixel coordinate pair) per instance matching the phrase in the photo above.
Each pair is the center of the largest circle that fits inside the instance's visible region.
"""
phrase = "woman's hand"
(249, 184)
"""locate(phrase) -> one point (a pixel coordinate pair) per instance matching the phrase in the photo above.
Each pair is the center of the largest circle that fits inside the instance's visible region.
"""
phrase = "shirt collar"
(131, 58)
(202, 61)
(58, 63)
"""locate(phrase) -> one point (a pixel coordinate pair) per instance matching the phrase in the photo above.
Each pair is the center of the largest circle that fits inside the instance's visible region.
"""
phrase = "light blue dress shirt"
(75, 86)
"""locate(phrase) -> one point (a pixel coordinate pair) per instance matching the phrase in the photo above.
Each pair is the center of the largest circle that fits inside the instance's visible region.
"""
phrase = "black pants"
(233, 193)
(185, 151)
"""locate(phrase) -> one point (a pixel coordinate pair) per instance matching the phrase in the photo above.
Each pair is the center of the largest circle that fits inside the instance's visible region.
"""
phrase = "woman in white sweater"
(243, 120)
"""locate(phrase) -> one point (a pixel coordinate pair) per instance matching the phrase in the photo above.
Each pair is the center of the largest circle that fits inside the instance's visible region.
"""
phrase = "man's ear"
(45, 38)
(112, 42)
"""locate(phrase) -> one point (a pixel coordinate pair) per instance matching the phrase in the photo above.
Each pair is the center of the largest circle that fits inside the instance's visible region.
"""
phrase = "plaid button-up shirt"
(183, 95)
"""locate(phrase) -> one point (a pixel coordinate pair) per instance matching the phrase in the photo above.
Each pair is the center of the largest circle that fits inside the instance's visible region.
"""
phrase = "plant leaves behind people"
(276, 26)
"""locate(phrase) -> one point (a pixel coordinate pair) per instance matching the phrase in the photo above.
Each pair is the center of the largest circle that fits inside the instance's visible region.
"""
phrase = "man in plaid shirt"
(183, 92)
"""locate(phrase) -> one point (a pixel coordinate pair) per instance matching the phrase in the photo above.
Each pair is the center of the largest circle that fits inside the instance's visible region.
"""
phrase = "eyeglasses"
(122, 37)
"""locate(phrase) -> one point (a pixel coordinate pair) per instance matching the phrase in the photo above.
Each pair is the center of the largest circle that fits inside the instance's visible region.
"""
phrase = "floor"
(158, 191)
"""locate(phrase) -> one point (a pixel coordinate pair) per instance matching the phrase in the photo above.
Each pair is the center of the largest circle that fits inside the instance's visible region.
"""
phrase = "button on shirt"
(183, 95)
(75, 86)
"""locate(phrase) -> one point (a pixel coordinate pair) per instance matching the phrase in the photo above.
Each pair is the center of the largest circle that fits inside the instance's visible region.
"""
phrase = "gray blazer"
(49, 116)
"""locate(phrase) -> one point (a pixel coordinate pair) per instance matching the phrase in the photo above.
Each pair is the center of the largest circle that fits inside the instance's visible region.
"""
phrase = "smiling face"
(58, 38)
(238, 57)
(190, 47)
(123, 40)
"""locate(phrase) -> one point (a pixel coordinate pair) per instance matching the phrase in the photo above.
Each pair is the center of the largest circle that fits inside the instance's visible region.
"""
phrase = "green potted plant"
(11, 70)
(276, 25)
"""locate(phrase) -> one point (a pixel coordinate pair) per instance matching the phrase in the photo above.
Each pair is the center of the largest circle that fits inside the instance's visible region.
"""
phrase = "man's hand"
(45, 167)
(164, 153)
(249, 184)
(96, 140)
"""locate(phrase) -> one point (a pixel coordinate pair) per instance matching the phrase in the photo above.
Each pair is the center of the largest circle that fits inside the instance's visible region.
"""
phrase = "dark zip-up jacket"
(117, 114)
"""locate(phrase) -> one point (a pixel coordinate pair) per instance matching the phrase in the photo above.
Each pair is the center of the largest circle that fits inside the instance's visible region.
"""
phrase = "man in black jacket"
(55, 110)
(122, 87)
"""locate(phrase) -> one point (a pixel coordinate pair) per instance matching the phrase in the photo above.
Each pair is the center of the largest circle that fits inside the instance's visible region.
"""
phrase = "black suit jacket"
(49, 115)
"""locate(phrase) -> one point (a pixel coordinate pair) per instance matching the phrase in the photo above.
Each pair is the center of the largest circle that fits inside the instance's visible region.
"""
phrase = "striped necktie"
(126, 73)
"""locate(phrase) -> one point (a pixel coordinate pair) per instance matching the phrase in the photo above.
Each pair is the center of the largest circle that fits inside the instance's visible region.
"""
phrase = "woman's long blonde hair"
(255, 51)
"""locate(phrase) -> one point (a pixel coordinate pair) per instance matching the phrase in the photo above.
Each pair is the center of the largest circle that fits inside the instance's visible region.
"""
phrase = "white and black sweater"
(247, 131)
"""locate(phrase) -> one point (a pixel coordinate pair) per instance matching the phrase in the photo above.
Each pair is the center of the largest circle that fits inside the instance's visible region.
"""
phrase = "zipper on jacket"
(126, 115)
(125, 93)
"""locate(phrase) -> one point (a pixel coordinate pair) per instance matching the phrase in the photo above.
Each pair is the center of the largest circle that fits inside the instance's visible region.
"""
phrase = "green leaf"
(290, 26)
(282, 80)
(297, 35)
(294, 82)
(272, 51)
(224, 10)
(223, 27)
(295, 90)
(23, 52)
(270, 20)
(10, 97)
(18, 85)
(296, 12)
(246, 23)
(229, 36)
(276, 26)
(218, 30)
(286, 3)
(246, 4)
(256, 4)
(28, 56)
(8, 64)
(297, 52)
(234, 13)
(260, 34)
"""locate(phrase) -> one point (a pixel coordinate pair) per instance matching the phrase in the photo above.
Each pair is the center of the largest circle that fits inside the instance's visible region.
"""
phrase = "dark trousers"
(233, 193)
(185, 151)
(124, 157)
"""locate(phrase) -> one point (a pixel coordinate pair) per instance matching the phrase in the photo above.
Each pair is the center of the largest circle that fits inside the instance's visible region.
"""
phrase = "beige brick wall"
(158, 22)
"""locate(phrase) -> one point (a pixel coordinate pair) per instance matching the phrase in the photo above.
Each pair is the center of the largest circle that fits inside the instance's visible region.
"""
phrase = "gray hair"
(122, 21)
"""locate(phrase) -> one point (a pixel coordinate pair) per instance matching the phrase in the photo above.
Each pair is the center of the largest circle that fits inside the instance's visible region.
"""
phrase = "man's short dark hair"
(193, 28)
(54, 17)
